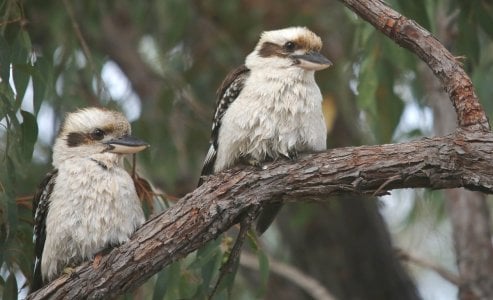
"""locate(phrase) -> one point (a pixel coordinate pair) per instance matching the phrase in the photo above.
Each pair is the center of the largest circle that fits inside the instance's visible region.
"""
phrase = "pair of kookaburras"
(268, 108)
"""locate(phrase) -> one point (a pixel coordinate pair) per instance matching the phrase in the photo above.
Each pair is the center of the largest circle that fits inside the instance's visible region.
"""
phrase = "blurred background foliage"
(160, 62)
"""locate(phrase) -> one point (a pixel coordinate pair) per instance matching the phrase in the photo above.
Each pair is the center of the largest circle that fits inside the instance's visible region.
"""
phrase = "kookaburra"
(270, 107)
(88, 203)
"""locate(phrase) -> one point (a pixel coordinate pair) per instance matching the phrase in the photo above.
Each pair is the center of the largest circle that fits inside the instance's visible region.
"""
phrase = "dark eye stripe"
(75, 139)
(270, 49)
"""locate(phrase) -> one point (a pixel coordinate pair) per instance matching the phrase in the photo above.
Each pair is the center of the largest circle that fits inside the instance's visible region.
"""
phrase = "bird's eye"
(97, 134)
(290, 46)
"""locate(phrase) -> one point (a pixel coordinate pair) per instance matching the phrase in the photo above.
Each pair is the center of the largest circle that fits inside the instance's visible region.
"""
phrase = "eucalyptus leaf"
(5, 61)
(416, 10)
(9, 193)
(10, 290)
(161, 285)
(19, 52)
(42, 77)
(263, 263)
(173, 281)
(389, 105)
(208, 261)
(368, 83)
(29, 130)
(484, 11)
(21, 74)
(468, 40)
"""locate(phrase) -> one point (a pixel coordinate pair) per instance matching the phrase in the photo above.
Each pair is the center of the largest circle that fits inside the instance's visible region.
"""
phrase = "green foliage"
(188, 48)
(18, 134)
(10, 288)
(380, 65)
(473, 15)
(208, 261)
(263, 263)
(416, 10)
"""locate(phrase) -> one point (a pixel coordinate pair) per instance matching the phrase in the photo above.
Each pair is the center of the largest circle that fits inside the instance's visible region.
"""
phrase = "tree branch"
(410, 35)
(457, 160)
(469, 215)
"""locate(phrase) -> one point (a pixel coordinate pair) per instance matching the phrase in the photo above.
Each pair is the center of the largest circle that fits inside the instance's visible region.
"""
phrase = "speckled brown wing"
(41, 204)
(229, 90)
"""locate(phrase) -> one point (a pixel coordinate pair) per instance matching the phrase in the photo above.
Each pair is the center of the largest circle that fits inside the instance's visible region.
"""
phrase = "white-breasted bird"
(88, 203)
(270, 107)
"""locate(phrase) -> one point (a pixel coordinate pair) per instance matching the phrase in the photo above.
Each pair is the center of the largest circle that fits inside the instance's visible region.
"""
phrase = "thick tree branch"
(459, 160)
(469, 215)
(410, 35)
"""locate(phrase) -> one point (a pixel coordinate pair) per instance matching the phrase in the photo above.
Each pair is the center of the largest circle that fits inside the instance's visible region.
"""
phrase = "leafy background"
(160, 62)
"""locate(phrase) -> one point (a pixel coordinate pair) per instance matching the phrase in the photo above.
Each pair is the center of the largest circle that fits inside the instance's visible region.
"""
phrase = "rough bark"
(459, 160)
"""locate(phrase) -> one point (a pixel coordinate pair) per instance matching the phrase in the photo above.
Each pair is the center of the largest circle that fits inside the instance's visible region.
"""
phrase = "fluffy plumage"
(271, 106)
(88, 203)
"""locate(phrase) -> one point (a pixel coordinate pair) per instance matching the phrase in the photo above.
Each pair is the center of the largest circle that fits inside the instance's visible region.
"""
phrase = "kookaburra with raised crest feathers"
(88, 203)
(270, 107)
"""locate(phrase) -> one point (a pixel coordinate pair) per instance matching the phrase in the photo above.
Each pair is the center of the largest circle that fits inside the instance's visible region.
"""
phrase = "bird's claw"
(70, 271)
(97, 260)
(249, 161)
(292, 155)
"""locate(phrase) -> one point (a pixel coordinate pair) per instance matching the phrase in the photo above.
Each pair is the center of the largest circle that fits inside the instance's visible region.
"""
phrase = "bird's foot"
(292, 155)
(250, 161)
(70, 271)
(97, 260)
(99, 256)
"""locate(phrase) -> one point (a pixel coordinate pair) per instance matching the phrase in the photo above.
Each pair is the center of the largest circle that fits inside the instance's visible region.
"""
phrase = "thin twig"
(235, 253)
(25, 201)
(19, 19)
(309, 284)
(85, 48)
(390, 180)
(445, 274)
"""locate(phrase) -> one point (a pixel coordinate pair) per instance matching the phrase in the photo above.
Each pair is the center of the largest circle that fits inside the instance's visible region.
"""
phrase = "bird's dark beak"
(312, 61)
(126, 144)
